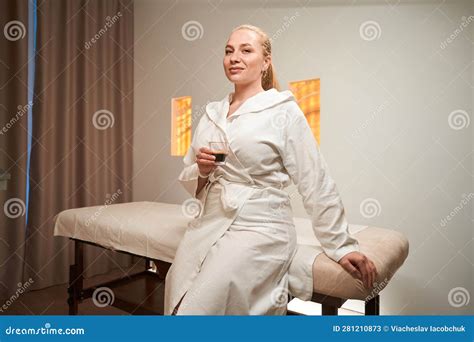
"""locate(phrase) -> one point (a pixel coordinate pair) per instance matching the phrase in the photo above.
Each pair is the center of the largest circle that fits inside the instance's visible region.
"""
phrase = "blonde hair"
(269, 79)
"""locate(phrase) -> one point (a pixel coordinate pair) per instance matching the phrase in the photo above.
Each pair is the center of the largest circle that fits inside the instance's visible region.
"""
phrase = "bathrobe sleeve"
(190, 174)
(308, 170)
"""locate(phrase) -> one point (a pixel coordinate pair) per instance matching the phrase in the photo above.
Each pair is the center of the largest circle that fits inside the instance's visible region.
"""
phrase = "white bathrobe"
(239, 255)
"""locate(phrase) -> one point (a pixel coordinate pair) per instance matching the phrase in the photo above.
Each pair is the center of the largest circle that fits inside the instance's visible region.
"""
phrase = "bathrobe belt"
(231, 200)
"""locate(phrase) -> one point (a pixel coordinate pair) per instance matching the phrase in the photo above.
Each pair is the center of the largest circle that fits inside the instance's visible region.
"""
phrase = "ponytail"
(269, 79)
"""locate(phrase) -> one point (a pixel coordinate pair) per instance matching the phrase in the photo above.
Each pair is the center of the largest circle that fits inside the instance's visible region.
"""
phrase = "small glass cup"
(220, 150)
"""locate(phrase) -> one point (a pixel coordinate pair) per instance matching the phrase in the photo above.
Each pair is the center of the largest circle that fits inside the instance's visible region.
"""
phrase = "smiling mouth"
(235, 69)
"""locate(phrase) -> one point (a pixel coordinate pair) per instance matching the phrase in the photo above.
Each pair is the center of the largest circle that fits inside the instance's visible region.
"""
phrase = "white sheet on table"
(150, 229)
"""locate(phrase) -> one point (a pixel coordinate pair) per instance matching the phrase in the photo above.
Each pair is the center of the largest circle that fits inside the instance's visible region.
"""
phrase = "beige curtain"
(82, 128)
(13, 141)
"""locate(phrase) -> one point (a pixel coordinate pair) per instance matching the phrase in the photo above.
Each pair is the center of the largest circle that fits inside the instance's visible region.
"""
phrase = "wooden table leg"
(372, 306)
(329, 305)
(329, 310)
(76, 279)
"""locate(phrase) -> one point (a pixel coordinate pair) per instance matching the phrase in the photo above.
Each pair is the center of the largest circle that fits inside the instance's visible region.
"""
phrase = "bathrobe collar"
(218, 110)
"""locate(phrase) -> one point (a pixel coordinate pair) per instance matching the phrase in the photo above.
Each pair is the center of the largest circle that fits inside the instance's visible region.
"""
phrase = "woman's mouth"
(235, 70)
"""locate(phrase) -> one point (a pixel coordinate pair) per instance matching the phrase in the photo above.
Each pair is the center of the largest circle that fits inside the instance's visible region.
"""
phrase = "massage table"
(153, 230)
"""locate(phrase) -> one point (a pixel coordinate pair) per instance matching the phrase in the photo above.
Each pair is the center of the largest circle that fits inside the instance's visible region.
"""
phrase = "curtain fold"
(13, 142)
(82, 128)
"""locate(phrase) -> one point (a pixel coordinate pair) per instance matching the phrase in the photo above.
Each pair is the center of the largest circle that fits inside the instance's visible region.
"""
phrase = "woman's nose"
(235, 57)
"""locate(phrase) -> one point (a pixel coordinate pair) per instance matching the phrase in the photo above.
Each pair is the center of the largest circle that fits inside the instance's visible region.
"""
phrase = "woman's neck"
(245, 91)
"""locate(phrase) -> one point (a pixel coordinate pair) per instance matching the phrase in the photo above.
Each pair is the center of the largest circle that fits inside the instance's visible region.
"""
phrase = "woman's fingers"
(353, 271)
(205, 157)
(205, 149)
(369, 273)
(205, 162)
(365, 272)
(360, 267)
(364, 267)
(372, 272)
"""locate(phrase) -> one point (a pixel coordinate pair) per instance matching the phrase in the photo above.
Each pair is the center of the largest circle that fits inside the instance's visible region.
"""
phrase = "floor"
(53, 300)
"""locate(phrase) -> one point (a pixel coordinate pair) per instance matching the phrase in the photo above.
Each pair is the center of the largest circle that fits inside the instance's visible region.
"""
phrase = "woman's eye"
(247, 50)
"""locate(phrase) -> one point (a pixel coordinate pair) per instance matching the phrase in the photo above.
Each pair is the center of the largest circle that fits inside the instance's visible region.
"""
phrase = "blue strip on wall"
(31, 86)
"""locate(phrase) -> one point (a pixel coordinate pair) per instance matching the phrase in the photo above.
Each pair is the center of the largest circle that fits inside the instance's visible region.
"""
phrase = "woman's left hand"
(360, 267)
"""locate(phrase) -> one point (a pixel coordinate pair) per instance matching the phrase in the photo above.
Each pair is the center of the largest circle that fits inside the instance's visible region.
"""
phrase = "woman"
(234, 258)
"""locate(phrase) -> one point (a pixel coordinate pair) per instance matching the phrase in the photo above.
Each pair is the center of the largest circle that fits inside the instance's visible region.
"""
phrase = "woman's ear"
(267, 62)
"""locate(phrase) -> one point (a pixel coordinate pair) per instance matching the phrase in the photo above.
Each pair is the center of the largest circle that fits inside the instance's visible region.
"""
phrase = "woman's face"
(243, 59)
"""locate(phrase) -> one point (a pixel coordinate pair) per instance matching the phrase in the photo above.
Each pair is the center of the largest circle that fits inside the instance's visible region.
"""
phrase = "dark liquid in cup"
(220, 157)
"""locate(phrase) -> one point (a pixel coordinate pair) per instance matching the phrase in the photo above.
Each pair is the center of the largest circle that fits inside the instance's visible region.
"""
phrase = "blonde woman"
(234, 257)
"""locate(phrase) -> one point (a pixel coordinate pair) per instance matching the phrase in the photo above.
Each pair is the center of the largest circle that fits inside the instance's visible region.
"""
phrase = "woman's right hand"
(205, 161)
